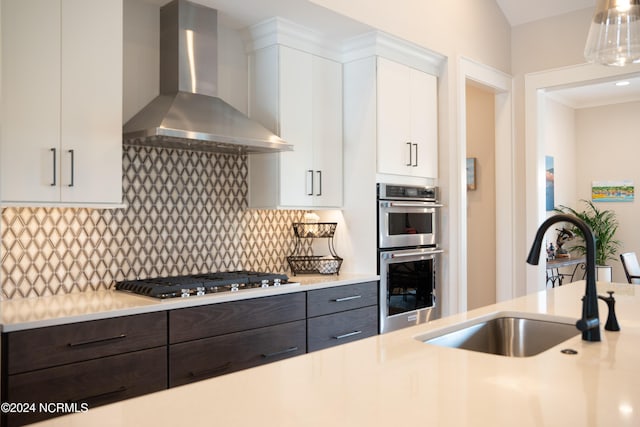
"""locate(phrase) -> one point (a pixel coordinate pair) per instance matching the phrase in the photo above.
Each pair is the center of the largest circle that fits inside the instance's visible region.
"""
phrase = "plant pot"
(603, 273)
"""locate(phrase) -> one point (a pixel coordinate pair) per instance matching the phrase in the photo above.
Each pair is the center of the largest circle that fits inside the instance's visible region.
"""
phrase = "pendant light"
(614, 36)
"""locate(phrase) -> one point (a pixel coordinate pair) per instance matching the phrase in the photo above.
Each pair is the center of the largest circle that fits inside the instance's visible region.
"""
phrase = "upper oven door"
(405, 223)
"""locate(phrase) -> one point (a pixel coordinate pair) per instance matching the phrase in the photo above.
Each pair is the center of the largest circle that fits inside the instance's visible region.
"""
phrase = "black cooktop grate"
(200, 284)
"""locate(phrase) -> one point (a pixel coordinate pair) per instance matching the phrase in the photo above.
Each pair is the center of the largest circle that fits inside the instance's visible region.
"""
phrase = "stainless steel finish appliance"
(407, 216)
(202, 284)
(408, 255)
(188, 114)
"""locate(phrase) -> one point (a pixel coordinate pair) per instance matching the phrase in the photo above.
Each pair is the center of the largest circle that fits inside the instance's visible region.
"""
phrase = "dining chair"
(631, 267)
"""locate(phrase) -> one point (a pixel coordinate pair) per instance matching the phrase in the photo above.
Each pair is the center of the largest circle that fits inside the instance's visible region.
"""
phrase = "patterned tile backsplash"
(186, 213)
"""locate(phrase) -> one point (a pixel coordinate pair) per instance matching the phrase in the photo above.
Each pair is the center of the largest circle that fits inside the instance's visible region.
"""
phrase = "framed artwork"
(549, 182)
(612, 191)
(471, 173)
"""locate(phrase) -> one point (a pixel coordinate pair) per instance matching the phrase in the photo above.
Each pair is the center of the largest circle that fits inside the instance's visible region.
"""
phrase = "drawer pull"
(279, 353)
(347, 298)
(210, 372)
(350, 334)
(119, 390)
(97, 341)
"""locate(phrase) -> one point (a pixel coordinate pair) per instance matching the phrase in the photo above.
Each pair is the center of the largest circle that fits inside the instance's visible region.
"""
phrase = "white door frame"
(502, 85)
(535, 86)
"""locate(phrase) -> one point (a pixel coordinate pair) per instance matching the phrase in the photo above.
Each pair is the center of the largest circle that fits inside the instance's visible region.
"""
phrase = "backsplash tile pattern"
(186, 213)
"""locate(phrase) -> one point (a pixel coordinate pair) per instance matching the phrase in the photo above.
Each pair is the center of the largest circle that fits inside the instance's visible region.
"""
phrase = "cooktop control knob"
(265, 284)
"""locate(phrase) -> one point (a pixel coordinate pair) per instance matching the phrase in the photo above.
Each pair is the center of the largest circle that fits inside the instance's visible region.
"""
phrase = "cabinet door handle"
(310, 189)
(210, 372)
(416, 156)
(97, 341)
(119, 390)
(347, 298)
(347, 335)
(53, 184)
(71, 152)
(279, 353)
(319, 193)
(410, 153)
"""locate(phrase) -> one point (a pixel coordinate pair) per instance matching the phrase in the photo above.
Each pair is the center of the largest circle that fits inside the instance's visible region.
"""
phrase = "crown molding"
(378, 43)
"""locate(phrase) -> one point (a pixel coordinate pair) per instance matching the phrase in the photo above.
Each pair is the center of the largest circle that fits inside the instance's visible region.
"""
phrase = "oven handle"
(410, 205)
(388, 255)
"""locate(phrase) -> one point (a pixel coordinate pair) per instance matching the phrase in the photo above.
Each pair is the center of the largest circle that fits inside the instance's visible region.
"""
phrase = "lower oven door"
(408, 280)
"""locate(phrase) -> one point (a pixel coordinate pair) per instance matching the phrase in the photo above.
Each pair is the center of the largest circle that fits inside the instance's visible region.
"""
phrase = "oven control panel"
(407, 192)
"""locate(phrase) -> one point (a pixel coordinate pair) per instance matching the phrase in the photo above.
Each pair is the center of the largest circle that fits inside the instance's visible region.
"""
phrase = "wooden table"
(553, 269)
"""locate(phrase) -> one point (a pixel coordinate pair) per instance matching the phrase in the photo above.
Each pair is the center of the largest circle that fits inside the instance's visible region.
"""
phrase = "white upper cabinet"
(407, 121)
(297, 95)
(61, 138)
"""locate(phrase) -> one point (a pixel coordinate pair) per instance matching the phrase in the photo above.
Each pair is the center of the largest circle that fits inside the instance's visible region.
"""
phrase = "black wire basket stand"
(314, 264)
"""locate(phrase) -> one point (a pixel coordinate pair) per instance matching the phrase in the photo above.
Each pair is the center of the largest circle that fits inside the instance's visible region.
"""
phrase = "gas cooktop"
(202, 284)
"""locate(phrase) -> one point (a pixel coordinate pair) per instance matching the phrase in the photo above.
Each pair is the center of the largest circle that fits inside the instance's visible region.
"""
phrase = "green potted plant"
(604, 225)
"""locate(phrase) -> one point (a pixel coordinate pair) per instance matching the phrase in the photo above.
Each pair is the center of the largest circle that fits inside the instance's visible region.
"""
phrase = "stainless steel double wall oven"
(408, 255)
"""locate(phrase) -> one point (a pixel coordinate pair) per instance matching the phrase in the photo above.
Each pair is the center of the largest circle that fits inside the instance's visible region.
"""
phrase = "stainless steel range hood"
(188, 114)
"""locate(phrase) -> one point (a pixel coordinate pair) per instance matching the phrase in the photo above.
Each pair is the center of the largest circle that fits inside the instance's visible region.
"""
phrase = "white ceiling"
(520, 12)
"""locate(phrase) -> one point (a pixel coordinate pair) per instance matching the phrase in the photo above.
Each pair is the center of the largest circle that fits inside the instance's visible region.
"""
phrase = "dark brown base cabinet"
(94, 383)
(216, 339)
(341, 314)
(94, 363)
(209, 357)
(103, 361)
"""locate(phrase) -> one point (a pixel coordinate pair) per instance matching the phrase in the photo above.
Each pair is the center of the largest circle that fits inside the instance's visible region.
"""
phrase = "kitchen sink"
(512, 335)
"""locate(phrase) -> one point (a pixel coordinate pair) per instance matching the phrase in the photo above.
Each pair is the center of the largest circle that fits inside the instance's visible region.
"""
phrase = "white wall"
(608, 149)
(540, 45)
(560, 142)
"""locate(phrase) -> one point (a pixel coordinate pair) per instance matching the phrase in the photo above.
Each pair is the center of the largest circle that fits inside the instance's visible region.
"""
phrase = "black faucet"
(590, 322)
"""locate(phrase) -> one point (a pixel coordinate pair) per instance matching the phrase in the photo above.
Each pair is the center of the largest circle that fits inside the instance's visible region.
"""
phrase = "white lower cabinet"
(297, 95)
(61, 110)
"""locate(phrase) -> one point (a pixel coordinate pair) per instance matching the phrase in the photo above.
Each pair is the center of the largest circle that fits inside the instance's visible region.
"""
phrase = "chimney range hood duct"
(188, 114)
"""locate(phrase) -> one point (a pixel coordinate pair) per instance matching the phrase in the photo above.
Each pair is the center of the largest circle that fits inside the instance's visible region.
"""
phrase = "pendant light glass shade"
(614, 36)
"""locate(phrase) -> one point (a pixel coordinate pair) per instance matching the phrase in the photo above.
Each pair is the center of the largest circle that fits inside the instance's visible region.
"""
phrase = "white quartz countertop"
(29, 313)
(396, 380)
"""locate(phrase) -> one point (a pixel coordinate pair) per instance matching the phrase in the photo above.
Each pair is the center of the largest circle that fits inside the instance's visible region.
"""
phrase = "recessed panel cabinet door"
(30, 115)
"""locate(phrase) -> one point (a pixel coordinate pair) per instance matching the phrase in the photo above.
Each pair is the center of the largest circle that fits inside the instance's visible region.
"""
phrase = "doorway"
(500, 84)
(537, 86)
(481, 196)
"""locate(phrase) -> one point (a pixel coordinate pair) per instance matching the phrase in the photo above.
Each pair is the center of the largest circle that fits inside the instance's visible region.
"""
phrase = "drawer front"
(94, 382)
(340, 328)
(341, 298)
(210, 357)
(58, 345)
(217, 319)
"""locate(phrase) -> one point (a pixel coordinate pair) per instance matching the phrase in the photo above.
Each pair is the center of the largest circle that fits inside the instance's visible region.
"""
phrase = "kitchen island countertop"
(395, 379)
(29, 313)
